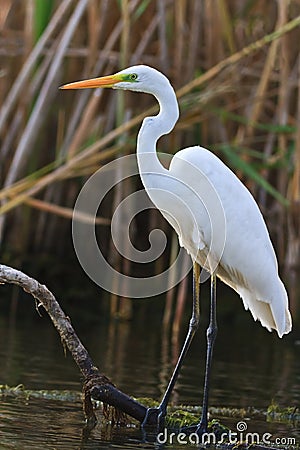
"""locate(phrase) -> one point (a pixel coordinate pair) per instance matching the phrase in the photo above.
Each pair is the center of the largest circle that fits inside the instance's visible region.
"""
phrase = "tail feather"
(272, 315)
(280, 311)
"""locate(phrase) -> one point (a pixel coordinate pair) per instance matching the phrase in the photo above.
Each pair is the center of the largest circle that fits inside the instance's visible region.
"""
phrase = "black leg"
(211, 336)
(161, 411)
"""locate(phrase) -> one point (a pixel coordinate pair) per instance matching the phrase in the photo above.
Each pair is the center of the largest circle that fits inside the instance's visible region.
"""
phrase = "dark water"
(251, 368)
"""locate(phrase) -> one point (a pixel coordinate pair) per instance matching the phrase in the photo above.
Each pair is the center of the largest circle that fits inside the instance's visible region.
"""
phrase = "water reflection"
(138, 356)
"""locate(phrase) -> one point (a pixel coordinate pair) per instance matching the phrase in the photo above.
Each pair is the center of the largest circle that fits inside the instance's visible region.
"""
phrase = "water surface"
(252, 368)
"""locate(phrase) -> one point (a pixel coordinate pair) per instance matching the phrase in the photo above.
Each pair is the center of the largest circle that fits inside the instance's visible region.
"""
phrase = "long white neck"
(151, 130)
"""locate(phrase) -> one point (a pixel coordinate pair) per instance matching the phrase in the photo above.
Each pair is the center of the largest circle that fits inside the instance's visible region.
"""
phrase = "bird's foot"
(206, 430)
(199, 428)
(154, 417)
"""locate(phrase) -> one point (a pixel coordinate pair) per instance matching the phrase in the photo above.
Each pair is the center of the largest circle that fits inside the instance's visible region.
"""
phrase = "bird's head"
(137, 78)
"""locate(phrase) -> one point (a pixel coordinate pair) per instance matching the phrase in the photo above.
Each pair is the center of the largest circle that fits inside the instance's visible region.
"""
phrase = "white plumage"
(247, 263)
(199, 195)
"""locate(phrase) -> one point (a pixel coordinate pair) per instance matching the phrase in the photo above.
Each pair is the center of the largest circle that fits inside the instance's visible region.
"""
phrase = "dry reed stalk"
(122, 308)
(181, 38)
(28, 28)
(292, 257)
(30, 62)
(195, 33)
(43, 101)
(283, 107)
(83, 128)
(4, 11)
(67, 213)
(238, 56)
(93, 12)
(227, 25)
(125, 36)
(145, 40)
(170, 290)
(162, 35)
(101, 143)
(182, 295)
(258, 98)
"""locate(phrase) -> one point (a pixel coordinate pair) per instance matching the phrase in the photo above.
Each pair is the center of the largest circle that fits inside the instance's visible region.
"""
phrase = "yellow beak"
(101, 82)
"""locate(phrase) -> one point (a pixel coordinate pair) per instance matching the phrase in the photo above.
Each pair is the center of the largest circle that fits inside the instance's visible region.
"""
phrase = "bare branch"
(96, 385)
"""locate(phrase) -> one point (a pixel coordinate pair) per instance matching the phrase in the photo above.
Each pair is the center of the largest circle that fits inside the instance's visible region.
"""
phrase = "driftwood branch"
(96, 385)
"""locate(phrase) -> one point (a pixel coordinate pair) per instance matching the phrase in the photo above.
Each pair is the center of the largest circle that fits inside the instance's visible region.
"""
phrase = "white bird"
(215, 216)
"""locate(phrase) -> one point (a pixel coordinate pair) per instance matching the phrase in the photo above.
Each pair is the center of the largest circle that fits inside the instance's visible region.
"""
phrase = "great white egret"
(215, 216)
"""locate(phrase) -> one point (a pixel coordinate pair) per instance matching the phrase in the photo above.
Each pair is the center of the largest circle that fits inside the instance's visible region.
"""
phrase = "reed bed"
(235, 66)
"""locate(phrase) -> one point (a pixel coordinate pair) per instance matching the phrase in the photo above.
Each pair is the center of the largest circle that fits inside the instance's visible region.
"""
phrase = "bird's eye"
(133, 77)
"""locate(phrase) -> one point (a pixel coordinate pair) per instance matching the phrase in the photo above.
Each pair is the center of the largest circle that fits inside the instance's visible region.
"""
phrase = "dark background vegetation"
(235, 66)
